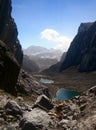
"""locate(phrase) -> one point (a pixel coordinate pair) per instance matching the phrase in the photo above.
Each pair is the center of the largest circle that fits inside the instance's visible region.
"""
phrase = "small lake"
(46, 81)
(65, 94)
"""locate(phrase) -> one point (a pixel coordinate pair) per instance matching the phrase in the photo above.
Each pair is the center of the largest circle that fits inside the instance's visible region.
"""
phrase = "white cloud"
(49, 34)
(62, 42)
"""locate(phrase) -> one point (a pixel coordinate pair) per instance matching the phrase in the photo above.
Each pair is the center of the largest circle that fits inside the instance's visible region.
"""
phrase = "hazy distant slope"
(29, 65)
(43, 57)
(55, 67)
(43, 52)
(43, 63)
(34, 50)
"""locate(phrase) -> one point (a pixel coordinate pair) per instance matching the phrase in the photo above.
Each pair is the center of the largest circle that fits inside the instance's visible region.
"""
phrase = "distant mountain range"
(41, 57)
(81, 53)
(42, 52)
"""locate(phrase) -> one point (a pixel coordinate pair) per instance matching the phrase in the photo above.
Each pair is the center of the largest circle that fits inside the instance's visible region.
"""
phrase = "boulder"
(13, 108)
(9, 69)
(25, 125)
(83, 107)
(35, 119)
(92, 91)
(43, 102)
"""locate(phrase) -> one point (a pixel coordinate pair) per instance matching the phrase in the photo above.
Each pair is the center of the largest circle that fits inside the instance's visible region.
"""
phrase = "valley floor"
(73, 80)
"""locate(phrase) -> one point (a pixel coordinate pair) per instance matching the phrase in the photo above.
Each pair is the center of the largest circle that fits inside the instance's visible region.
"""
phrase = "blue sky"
(51, 23)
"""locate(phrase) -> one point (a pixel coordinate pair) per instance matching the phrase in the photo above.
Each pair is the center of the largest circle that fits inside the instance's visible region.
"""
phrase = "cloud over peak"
(49, 34)
(62, 42)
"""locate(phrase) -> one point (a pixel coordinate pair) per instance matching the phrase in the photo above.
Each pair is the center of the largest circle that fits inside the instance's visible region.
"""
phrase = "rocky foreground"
(79, 113)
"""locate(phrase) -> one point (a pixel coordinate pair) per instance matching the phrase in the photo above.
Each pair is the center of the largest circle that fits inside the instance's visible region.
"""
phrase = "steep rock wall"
(11, 54)
(82, 51)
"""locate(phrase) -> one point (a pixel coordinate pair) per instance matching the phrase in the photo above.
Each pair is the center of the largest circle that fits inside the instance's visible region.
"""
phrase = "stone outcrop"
(12, 108)
(82, 51)
(43, 102)
(10, 49)
(28, 85)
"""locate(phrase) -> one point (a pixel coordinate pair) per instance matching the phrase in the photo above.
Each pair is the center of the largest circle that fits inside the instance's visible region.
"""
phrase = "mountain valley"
(28, 104)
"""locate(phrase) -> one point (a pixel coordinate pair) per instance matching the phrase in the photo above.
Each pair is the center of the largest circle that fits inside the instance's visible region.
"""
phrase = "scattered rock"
(83, 107)
(44, 103)
(92, 91)
(64, 121)
(78, 113)
(25, 125)
(37, 118)
(13, 108)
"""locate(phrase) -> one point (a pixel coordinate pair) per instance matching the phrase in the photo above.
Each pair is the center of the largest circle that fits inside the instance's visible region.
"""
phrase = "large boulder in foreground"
(13, 108)
(9, 68)
(34, 120)
(82, 51)
(11, 54)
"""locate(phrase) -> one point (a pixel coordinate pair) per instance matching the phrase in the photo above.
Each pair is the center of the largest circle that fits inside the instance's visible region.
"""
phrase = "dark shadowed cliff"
(82, 51)
(11, 54)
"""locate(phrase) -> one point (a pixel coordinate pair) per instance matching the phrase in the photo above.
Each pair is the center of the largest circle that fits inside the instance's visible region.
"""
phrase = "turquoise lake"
(65, 94)
(46, 81)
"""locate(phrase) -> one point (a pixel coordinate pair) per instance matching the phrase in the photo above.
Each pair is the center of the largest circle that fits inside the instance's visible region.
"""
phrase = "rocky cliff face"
(28, 85)
(10, 49)
(82, 51)
(84, 27)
